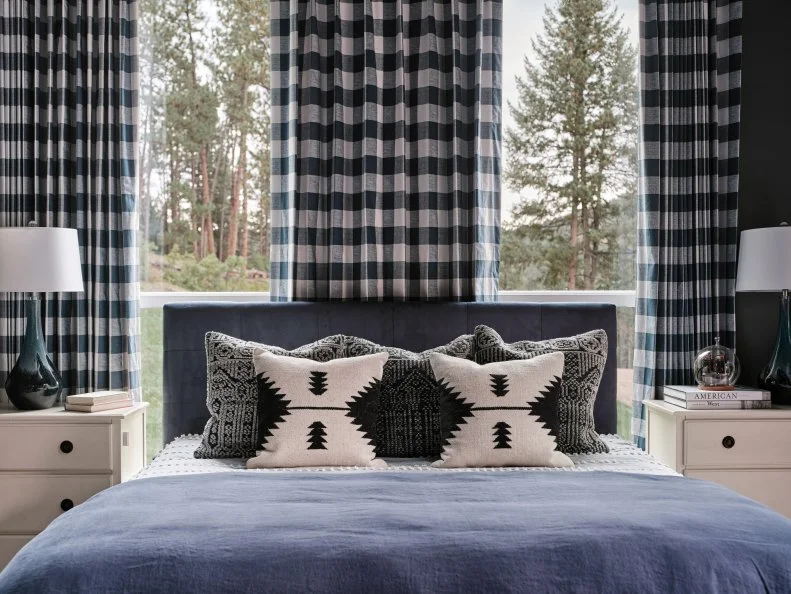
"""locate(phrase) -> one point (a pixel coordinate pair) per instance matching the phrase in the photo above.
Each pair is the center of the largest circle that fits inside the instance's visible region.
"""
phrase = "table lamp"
(765, 265)
(37, 260)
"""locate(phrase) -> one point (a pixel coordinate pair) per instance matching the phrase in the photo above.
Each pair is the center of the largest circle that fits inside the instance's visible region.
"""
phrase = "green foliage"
(152, 353)
(624, 422)
(210, 274)
(532, 258)
(259, 262)
(572, 150)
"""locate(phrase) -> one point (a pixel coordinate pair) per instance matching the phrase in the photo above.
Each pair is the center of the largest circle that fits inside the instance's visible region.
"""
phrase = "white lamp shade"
(765, 260)
(39, 260)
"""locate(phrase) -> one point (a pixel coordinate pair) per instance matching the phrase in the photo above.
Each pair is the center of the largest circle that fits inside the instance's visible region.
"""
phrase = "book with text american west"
(717, 404)
(738, 393)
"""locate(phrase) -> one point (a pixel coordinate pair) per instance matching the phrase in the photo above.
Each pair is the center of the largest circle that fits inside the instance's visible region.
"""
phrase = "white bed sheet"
(176, 459)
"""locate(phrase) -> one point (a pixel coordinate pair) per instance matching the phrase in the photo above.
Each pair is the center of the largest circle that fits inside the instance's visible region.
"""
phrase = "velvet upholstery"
(415, 326)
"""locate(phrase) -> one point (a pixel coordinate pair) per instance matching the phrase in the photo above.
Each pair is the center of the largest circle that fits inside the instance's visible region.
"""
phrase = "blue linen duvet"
(410, 532)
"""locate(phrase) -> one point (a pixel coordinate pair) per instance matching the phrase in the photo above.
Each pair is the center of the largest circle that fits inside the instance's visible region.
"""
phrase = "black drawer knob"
(66, 504)
(728, 442)
(66, 446)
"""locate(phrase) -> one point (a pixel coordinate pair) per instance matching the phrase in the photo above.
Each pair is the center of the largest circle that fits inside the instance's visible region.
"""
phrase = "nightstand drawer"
(770, 487)
(735, 443)
(29, 502)
(69, 446)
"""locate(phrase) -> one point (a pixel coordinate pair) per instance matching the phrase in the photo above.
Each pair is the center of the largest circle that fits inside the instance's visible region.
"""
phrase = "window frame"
(155, 300)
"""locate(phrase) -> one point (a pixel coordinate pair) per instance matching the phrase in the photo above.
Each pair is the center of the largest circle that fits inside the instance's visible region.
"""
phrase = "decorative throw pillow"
(232, 394)
(585, 356)
(317, 414)
(408, 423)
(500, 414)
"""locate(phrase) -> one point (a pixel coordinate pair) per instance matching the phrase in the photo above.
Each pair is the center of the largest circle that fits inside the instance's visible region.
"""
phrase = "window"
(204, 146)
(204, 155)
(569, 152)
(570, 155)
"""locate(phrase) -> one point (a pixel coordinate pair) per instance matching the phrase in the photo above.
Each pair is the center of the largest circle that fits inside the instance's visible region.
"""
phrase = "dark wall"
(765, 162)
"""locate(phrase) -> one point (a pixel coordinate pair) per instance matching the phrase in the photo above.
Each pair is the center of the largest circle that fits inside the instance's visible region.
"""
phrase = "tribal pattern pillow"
(317, 414)
(585, 357)
(232, 394)
(500, 414)
(408, 424)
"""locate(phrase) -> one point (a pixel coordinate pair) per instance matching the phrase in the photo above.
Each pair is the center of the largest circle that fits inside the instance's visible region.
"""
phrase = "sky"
(522, 21)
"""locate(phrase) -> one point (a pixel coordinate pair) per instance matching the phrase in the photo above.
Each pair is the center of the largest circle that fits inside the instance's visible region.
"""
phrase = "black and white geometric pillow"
(585, 357)
(500, 414)
(232, 392)
(408, 423)
(317, 414)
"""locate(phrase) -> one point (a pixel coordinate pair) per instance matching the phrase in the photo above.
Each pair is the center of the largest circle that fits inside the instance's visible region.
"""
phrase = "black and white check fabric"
(68, 115)
(385, 149)
(690, 66)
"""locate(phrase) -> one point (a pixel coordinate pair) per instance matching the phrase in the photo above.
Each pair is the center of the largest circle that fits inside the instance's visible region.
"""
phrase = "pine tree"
(180, 111)
(242, 50)
(499, 384)
(316, 436)
(318, 382)
(572, 147)
(501, 435)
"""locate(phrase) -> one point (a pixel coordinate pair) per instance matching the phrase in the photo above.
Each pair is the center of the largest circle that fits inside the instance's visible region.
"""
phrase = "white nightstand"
(748, 451)
(52, 460)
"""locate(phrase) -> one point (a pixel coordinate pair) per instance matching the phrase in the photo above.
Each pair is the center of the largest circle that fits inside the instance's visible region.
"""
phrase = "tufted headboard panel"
(416, 326)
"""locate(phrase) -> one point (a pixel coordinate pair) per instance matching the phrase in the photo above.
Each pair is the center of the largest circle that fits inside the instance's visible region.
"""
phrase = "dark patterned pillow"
(232, 392)
(585, 356)
(408, 424)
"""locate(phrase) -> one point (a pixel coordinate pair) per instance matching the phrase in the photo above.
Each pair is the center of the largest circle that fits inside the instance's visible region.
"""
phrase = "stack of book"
(98, 401)
(694, 398)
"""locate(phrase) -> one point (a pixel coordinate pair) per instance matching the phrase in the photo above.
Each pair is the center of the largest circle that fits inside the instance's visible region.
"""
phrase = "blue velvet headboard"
(416, 326)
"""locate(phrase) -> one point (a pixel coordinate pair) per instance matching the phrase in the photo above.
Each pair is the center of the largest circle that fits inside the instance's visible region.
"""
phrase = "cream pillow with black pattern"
(500, 414)
(585, 358)
(314, 413)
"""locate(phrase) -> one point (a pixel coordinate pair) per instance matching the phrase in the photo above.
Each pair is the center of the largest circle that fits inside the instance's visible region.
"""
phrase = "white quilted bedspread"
(176, 458)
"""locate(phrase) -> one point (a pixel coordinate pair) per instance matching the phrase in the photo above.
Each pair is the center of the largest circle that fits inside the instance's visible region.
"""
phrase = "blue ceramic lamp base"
(776, 376)
(34, 383)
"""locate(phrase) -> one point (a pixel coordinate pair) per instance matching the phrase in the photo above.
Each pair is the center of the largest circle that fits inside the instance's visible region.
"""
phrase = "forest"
(204, 145)
(205, 160)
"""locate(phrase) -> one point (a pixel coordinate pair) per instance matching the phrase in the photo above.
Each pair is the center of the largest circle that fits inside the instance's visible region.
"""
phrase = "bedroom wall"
(765, 176)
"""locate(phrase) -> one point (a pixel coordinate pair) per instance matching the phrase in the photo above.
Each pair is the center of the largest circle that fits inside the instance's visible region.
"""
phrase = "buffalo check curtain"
(690, 67)
(68, 116)
(385, 149)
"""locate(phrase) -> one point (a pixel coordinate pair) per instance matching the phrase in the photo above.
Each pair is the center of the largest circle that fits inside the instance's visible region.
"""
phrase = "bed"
(617, 522)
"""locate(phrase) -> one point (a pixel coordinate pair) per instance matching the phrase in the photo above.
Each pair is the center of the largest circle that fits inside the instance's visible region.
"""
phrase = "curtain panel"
(68, 117)
(386, 149)
(690, 72)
